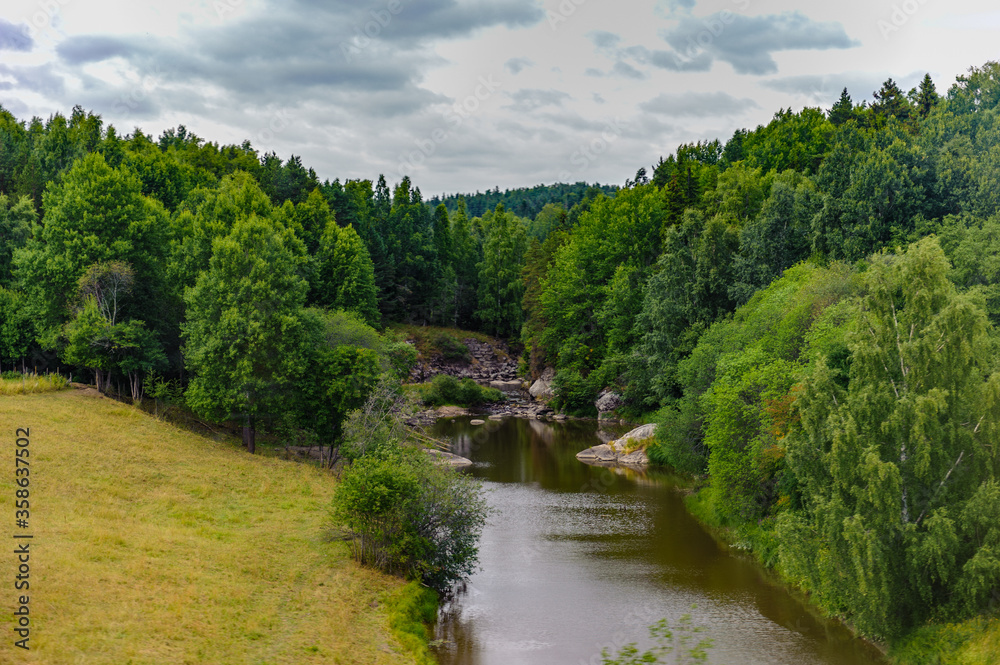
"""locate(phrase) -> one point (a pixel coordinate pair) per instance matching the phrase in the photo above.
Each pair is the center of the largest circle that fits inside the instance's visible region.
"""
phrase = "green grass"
(437, 342)
(27, 384)
(156, 545)
(974, 642)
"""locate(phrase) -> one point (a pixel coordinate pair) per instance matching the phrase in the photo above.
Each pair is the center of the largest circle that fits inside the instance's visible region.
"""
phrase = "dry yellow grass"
(153, 545)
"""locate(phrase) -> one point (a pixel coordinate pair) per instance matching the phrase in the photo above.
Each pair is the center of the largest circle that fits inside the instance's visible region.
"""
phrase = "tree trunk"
(248, 438)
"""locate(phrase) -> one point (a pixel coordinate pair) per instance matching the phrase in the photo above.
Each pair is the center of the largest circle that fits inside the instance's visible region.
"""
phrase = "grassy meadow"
(155, 545)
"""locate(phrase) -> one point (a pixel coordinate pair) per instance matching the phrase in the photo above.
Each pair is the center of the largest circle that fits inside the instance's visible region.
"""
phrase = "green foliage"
(450, 348)
(444, 389)
(245, 323)
(575, 395)
(590, 293)
(95, 214)
(790, 141)
(344, 275)
(682, 640)
(17, 330)
(411, 517)
(500, 285)
(896, 470)
(17, 223)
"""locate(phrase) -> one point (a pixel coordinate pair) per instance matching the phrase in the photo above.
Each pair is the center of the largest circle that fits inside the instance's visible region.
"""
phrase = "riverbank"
(157, 545)
(972, 642)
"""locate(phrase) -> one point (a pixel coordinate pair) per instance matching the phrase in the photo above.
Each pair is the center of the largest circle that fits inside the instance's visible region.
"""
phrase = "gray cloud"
(14, 37)
(85, 49)
(697, 104)
(824, 89)
(603, 39)
(700, 62)
(516, 65)
(528, 100)
(747, 42)
(42, 79)
(626, 70)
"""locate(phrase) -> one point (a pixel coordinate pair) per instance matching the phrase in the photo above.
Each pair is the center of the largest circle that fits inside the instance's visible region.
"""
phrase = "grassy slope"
(153, 545)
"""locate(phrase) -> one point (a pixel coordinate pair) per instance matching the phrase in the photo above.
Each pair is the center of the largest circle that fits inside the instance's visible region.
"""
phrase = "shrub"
(444, 389)
(574, 394)
(411, 517)
(450, 348)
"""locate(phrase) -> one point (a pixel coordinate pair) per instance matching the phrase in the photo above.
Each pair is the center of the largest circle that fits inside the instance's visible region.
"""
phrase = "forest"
(807, 309)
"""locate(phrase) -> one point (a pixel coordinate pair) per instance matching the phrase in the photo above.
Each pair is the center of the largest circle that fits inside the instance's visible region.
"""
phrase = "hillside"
(154, 545)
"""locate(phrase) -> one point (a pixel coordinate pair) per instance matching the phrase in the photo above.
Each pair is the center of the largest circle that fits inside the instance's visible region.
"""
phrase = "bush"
(450, 348)
(411, 517)
(444, 389)
(679, 442)
(574, 394)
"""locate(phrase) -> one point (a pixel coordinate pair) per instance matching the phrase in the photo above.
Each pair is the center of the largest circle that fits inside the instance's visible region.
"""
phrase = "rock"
(636, 458)
(451, 411)
(496, 416)
(548, 374)
(608, 401)
(640, 433)
(629, 450)
(601, 453)
(448, 459)
(541, 390)
(506, 386)
(477, 422)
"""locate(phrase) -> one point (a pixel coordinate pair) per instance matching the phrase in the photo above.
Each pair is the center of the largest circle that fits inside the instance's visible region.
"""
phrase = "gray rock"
(608, 401)
(601, 453)
(636, 458)
(506, 386)
(541, 389)
(448, 459)
(640, 433)
(477, 422)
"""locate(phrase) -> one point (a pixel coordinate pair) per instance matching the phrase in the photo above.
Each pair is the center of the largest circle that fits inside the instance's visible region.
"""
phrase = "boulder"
(601, 453)
(635, 458)
(608, 401)
(629, 450)
(477, 422)
(640, 433)
(541, 389)
(443, 458)
(506, 386)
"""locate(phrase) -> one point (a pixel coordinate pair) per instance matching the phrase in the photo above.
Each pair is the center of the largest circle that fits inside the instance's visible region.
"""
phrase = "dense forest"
(808, 308)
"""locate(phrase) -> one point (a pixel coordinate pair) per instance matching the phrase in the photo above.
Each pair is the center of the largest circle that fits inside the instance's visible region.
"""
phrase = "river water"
(576, 559)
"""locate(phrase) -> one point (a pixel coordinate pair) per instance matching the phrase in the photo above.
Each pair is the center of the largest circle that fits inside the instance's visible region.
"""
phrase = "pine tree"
(842, 110)
(926, 97)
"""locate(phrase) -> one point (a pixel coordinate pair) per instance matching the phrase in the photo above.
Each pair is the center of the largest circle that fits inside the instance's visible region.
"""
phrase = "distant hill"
(524, 201)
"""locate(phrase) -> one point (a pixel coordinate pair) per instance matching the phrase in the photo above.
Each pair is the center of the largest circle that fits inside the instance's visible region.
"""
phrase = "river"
(576, 559)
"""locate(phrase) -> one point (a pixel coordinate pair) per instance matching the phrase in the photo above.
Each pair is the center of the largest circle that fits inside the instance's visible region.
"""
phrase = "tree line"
(809, 309)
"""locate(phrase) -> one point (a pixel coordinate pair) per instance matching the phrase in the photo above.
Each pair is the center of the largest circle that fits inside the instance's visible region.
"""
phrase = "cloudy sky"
(465, 95)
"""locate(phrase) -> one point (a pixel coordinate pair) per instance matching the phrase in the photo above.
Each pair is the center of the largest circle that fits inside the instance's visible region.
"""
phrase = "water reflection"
(579, 558)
